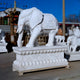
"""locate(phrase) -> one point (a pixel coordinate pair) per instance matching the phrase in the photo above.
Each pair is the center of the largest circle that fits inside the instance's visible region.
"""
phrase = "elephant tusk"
(19, 32)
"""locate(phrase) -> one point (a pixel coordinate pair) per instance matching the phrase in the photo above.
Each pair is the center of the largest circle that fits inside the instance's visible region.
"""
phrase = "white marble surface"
(3, 49)
(60, 40)
(3, 45)
(36, 21)
(39, 58)
(73, 42)
(40, 49)
(32, 58)
(74, 56)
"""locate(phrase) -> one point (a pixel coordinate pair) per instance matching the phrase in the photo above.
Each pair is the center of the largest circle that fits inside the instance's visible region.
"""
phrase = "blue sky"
(47, 6)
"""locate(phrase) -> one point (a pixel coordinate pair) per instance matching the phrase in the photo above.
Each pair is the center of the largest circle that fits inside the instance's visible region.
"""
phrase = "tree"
(73, 18)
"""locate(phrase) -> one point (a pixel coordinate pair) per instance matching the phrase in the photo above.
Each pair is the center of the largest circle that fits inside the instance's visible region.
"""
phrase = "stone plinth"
(3, 47)
(39, 58)
(74, 56)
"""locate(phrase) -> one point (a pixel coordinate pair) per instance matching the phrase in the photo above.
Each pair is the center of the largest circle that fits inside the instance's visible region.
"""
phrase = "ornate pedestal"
(3, 47)
(74, 56)
(39, 58)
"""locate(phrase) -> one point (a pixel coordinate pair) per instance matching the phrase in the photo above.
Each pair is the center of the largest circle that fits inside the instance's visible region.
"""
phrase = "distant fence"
(5, 28)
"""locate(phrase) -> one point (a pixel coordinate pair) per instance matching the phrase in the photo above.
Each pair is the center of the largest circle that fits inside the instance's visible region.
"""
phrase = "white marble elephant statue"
(36, 21)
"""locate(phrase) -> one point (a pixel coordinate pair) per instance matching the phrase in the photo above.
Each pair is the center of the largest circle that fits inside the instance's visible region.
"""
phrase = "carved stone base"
(74, 56)
(3, 47)
(39, 58)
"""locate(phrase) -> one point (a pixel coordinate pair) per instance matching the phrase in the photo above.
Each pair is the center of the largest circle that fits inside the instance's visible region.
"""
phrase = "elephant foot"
(19, 43)
(29, 45)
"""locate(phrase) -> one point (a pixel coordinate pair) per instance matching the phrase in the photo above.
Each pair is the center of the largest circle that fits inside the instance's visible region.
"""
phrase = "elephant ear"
(36, 18)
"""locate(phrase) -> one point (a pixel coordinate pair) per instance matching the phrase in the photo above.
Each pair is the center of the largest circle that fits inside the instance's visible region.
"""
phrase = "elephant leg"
(19, 41)
(51, 38)
(70, 49)
(34, 34)
(74, 48)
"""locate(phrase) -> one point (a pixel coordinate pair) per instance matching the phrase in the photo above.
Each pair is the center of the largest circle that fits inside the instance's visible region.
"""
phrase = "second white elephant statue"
(74, 41)
(36, 21)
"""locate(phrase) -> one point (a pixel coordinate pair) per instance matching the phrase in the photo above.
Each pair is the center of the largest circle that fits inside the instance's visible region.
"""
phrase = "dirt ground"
(6, 73)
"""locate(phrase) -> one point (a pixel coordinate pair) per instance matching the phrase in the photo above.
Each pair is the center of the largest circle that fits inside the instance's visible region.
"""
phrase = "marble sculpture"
(30, 57)
(73, 43)
(37, 22)
(2, 43)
